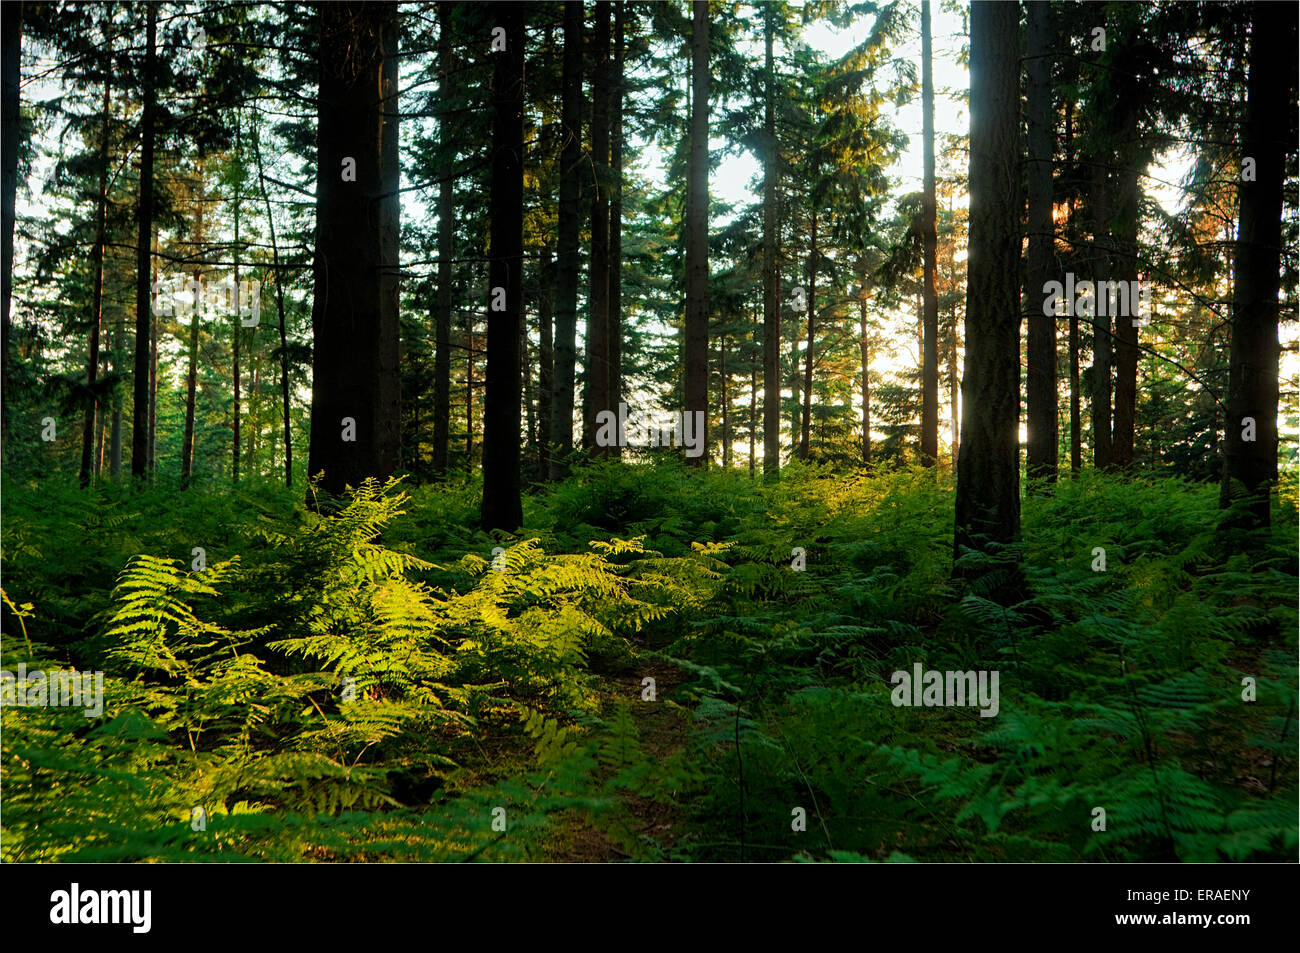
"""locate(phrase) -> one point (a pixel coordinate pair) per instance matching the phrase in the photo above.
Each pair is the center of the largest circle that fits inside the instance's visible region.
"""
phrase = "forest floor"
(1147, 703)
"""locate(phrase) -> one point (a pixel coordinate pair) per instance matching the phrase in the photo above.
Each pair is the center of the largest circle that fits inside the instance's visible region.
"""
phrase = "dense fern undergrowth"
(376, 684)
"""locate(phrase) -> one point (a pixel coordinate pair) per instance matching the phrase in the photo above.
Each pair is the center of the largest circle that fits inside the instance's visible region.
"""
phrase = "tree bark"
(354, 311)
(502, 506)
(771, 287)
(596, 394)
(11, 18)
(446, 250)
(697, 229)
(929, 242)
(1040, 388)
(988, 477)
(144, 240)
(568, 226)
(279, 308)
(1101, 344)
(546, 358)
(1250, 466)
(806, 423)
(97, 296)
(617, 92)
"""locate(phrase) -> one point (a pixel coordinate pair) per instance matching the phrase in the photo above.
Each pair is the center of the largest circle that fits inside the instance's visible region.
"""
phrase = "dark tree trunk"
(988, 476)
(1250, 466)
(596, 394)
(446, 241)
(1101, 343)
(726, 401)
(697, 229)
(1076, 415)
(97, 296)
(806, 422)
(771, 279)
(279, 308)
(354, 312)
(546, 358)
(865, 345)
(929, 242)
(502, 505)
(144, 242)
(191, 376)
(568, 226)
(1040, 388)
(616, 219)
(1129, 220)
(11, 18)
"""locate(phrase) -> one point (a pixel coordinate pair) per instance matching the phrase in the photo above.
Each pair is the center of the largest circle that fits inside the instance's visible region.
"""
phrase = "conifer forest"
(650, 431)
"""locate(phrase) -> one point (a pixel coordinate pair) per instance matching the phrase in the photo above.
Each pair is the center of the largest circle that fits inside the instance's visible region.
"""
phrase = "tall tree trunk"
(502, 505)
(865, 346)
(726, 408)
(988, 473)
(354, 311)
(753, 388)
(11, 18)
(191, 376)
(929, 242)
(469, 388)
(771, 279)
(1126, 270)
(806, 423)
(234, 254)
(446, 242)
(568, 226)
(144, 243)
(279, 308)
(1101, 342)
(1250, 452)
(1040, 348)
(153, 379)
(115, 437)
(615, 342)
(596, 395)
(697, 230)
(97, 294)
(546, 357)
(1076, 416)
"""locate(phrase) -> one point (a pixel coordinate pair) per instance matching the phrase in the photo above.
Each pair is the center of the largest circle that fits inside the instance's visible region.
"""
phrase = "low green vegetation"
(643, 673)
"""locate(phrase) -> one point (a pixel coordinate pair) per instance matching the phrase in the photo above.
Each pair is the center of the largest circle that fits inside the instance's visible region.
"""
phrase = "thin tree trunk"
(1101, 344)
(812, 321)
(726, 400)
(753, 389)
(97, 296)
(865, 346)
(446, 249)
(697, 229)
(1040, 348)
(502, 505)
(234, 252)
(191, 377)
(771, 286)
(144, 246)
(596, 394)
(615, 341)
(929, 242)
(568, 227)
(279, 308)
(546, 357)
(11, 18)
